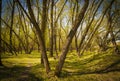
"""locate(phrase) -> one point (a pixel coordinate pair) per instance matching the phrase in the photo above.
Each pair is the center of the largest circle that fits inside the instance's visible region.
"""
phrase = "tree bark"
(11, 27)
(110, 29)
(43, 24)
(51, 38)
(0, 33)
(70, 37)
(40, 36)
(76, 43)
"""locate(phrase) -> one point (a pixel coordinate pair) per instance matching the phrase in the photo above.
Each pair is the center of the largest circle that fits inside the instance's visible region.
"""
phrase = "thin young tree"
(110, 29)
(0, 33)
(11, 27)
(51, 37)
(40, 35)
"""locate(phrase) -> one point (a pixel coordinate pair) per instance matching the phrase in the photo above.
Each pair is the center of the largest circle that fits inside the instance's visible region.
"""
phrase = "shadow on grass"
(111, 68)
(66, 73)
(17, 73)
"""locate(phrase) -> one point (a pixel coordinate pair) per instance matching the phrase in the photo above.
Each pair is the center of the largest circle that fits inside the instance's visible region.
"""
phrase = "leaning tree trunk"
(70, 37)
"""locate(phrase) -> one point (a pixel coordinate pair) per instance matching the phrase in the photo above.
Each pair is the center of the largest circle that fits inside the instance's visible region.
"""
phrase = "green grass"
(92, 66)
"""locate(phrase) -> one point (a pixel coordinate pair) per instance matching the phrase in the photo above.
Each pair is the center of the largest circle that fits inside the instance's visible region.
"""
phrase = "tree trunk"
(0, 33)
(40, 36)
(51, 38)
(55, 40)
(116, 50)
(11, 27)
(76, 43)
(43, 24)
(70, 37)
(59, 39)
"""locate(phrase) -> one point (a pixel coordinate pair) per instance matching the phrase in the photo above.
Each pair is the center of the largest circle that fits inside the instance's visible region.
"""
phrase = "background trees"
(70, 37)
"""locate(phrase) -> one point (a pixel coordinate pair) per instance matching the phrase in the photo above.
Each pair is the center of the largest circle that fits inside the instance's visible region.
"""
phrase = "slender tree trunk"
(26, 32)
(104, 42)
(43, 24)
(11, 27)
(60, 39)
(76, 43)
(19, 46)
(111, 32)
(55, 39)
(70, 37)
(37, 2)
(114, 43)
(51, 37)
(40, 36)
(59, 43)
(0, 33)
(38, 47)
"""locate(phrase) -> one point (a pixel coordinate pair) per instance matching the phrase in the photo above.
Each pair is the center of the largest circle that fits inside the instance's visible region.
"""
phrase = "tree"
(40, 36)
(44, 23)
(110, 29)
(11, 27)
(51, 37)
(70, 37)
(0, 33)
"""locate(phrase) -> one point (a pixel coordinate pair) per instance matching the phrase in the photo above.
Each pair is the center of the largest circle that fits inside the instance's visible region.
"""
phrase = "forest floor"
(92, 66)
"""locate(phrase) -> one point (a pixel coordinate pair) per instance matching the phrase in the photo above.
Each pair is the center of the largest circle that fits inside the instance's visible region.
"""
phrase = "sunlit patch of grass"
(93, 62)
(21, 61)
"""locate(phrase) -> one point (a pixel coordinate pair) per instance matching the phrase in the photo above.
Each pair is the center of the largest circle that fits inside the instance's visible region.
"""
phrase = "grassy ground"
(91, 66)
